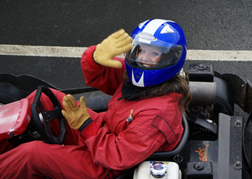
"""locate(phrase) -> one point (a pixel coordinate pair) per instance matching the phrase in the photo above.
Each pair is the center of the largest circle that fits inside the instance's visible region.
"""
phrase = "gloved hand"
(115, 44)
(74, 115)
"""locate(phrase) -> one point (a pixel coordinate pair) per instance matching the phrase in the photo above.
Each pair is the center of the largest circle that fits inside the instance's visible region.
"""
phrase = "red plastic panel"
(13, 118)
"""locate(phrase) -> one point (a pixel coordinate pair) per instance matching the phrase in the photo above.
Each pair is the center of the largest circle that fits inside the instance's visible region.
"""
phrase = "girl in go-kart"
(143, 116)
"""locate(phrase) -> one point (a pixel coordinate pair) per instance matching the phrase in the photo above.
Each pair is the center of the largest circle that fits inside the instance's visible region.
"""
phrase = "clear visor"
(151, 56)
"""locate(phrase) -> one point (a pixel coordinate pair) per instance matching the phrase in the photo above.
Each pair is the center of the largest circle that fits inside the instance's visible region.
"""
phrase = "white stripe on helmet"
(153, 25)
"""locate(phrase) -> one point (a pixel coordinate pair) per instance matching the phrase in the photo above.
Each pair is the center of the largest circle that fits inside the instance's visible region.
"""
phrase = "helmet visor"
(148, 56)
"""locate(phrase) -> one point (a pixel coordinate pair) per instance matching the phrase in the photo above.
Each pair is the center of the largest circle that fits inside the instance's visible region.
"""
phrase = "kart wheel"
(43, 126)
(9, 93)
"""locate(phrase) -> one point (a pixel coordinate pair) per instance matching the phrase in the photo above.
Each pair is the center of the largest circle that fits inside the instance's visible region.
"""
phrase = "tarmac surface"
(215, 25)
(208, 25)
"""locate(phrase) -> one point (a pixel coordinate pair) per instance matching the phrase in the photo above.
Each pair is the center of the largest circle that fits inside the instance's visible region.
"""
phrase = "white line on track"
(76, 52)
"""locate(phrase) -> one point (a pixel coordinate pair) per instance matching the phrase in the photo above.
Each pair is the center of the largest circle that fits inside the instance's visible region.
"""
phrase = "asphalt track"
(52, 34)
(215, 26)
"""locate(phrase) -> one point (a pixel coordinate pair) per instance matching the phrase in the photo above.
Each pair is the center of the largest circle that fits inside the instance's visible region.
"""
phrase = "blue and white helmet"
(167, 41)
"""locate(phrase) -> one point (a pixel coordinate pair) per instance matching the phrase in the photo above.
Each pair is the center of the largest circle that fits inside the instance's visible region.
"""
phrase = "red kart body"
(14, 118)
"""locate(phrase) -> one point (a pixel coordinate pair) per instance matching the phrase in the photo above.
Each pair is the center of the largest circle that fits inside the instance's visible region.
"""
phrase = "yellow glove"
(74, 115)
(115, 44)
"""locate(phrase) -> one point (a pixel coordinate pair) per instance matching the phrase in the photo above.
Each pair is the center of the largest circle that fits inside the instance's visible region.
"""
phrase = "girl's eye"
(155, 54)
(141, 51)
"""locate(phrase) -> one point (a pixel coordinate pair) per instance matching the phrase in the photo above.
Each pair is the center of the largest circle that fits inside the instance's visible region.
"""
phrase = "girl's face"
(148, 56)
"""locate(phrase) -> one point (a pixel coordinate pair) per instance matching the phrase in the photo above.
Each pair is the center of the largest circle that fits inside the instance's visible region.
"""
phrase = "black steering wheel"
(43, 128)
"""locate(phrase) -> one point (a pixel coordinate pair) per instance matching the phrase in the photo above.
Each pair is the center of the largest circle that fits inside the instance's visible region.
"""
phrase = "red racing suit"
(109, 142)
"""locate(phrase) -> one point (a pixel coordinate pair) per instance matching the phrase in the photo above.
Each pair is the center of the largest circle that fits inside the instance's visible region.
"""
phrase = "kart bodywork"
(212, 145)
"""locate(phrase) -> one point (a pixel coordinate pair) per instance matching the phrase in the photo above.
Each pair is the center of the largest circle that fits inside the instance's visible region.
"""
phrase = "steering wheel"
(43, 127)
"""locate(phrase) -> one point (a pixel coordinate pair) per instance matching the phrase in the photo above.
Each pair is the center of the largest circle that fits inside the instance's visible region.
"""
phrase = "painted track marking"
(76, 52)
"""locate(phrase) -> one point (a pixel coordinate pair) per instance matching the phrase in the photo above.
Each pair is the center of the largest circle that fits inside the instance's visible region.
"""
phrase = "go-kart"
(212, 145)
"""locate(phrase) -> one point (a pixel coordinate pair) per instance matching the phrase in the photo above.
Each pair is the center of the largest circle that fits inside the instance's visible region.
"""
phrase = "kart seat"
(163, 156)
(13, 118)
(166, 155)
